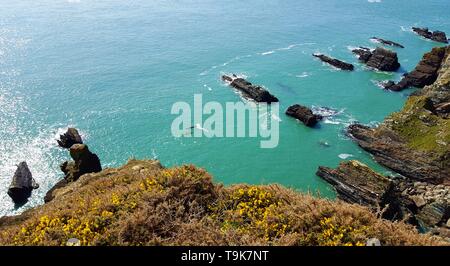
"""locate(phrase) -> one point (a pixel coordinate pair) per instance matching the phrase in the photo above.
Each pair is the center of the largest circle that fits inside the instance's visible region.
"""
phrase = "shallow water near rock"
(113, 69)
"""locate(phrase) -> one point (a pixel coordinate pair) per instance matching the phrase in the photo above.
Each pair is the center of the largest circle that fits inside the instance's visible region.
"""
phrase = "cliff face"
(143, 203)
(415, 141)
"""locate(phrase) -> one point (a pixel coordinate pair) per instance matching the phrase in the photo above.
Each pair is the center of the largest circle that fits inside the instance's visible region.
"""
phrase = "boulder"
(69, 138)
(249, 91)
(357, 183)
(303, 114)
(425, 73)
(387, 42)
(22, 184)
(437, 36)
(335, 62)
(84, 161)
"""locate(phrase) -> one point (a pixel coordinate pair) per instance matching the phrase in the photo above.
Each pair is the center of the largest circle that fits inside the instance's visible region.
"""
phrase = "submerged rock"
(437, 36)
(69, 138)
(357, 183)
(381, 58)
(22, 184)
(387, 42)
(250, 91)
(335, 62)
(303, 114)
(425, 73)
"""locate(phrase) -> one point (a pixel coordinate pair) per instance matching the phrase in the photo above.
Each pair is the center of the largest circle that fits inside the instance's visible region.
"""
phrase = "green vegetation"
(142, 203)
(420, 128)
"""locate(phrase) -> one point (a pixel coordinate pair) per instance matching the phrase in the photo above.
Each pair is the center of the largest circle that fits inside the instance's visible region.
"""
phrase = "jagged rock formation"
(304, 114)
(380, 58)
(335, 62)
(84, 162)
(387, 42)
(357, 183)
(22, 184)
(422, 204)
(437, 36)
(425, 73)
(69, 138)
(250, 91)
(414, 142)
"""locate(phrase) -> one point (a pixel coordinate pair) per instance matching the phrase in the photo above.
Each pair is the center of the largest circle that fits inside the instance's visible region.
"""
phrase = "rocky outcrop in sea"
(69, 138)
(303, 114)
(437, 36)
(425, 73)
(250, 91)
(335, 62)
(381, 59)
(22, 184)
(387, 42)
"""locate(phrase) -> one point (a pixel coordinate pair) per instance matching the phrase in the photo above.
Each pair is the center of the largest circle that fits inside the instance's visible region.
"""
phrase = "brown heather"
(143, 203)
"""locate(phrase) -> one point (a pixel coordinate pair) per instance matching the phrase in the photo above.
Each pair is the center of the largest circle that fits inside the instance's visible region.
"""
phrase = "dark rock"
(433, 214)
(256, 93)
(384, 60)
(381, 59)
(69, 138)
(425, 73)
(22, 184)
(363, 53)
(356, 183)
(437, 36)
(335, 62)
(387, 42)
(84, 162)
(303, 114)
(388, 84)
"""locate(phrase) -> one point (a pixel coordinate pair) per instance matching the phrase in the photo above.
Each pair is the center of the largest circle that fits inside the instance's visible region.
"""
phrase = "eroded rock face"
(304, 114)
(335, 62)
(250, 91)
(357, 183)
(84, 161)
(422, 204)
(69, 138)
(22, 184)
(437, 36)
(425, 73)
(380, 58)
(390, 150)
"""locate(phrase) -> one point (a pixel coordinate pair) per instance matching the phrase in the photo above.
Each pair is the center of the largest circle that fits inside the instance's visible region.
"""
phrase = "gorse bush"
(143, 203)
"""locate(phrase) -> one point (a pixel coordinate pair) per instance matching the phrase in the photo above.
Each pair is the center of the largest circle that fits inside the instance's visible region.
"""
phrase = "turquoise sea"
(113, 69)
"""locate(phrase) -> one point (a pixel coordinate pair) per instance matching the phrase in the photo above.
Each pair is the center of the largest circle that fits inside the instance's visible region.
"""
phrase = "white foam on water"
(374, 1)
(345, 156)
(267, 53)
(303, 75)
